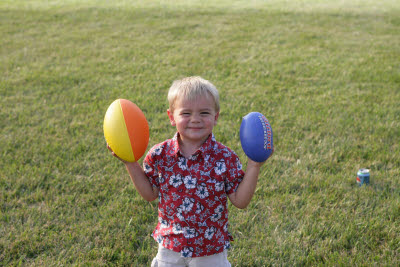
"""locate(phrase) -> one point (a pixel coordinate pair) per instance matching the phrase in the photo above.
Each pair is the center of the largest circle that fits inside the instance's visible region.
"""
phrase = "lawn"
(325, 73)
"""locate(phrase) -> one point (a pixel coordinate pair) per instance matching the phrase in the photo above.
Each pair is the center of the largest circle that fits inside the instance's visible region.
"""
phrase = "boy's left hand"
(258, 164)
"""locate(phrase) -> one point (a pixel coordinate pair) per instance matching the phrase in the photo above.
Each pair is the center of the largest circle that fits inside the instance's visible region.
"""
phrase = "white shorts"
(169, 258)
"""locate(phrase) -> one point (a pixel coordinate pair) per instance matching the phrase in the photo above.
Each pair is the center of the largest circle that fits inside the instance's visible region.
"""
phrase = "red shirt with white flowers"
(193, 208)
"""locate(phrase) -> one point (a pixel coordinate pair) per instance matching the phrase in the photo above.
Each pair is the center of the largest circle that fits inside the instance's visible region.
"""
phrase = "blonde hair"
(190, 88)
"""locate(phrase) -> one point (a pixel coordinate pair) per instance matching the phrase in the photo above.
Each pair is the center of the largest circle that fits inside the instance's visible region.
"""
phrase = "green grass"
(325, 73)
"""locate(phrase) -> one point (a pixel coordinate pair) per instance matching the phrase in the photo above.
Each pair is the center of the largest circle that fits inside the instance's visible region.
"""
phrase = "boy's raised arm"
(139, 178)
(243, 195)
(141, 182)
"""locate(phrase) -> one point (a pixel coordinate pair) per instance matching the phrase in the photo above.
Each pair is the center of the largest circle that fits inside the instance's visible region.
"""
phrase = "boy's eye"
(205, 113)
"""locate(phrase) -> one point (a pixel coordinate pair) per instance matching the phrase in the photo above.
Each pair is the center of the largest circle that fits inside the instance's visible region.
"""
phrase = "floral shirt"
(193, 208)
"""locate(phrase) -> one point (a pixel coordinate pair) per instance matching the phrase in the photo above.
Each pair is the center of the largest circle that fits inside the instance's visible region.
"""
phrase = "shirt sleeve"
(150, 167)
(235, 174)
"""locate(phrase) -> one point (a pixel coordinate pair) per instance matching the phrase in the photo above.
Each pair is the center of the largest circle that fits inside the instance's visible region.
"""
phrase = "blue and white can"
(362, 177)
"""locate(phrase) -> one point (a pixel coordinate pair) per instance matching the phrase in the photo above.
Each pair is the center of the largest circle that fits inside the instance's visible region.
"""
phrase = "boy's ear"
(171, 117)
(216, 118)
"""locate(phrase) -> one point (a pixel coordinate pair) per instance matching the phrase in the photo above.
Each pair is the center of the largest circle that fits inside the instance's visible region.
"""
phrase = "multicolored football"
(256, 137)
(126, 130)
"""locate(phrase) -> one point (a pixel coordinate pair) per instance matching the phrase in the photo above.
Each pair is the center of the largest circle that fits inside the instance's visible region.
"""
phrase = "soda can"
(362, 177)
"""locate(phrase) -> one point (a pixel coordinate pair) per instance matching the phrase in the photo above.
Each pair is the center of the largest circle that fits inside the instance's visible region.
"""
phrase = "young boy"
(193, 175)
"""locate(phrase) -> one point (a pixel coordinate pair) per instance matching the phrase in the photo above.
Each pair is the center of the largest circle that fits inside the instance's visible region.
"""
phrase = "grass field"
(325, 73)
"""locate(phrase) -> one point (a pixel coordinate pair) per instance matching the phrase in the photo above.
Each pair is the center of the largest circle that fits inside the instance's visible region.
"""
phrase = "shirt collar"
(205, 148)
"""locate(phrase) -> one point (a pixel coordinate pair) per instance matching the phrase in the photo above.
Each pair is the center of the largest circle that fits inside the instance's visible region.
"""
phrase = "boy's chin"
(193, 137)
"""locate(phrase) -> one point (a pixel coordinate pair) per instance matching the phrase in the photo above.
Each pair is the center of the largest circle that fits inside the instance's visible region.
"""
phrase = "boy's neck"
(188, 148)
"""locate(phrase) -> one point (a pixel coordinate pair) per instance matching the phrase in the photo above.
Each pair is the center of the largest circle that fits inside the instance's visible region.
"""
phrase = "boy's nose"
(196, 118)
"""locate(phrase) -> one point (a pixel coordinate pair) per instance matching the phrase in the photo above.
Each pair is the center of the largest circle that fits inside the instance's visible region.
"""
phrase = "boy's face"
(194, 120)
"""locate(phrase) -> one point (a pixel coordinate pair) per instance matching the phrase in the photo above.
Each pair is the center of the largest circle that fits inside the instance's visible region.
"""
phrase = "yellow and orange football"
(126, 130)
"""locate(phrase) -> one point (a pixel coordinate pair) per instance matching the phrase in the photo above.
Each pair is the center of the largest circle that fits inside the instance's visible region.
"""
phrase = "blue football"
(256, 137)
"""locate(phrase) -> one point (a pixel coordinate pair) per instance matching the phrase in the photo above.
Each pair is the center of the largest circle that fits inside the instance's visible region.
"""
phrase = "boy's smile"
(194, 120)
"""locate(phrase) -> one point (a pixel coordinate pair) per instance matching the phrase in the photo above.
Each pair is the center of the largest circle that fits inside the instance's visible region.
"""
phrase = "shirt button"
(187, 191)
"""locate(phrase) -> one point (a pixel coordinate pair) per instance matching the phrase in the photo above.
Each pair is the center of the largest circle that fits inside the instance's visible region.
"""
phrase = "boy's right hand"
(115, 155)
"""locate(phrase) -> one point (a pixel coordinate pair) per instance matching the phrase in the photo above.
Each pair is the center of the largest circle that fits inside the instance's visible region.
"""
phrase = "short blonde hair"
(190, 88)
